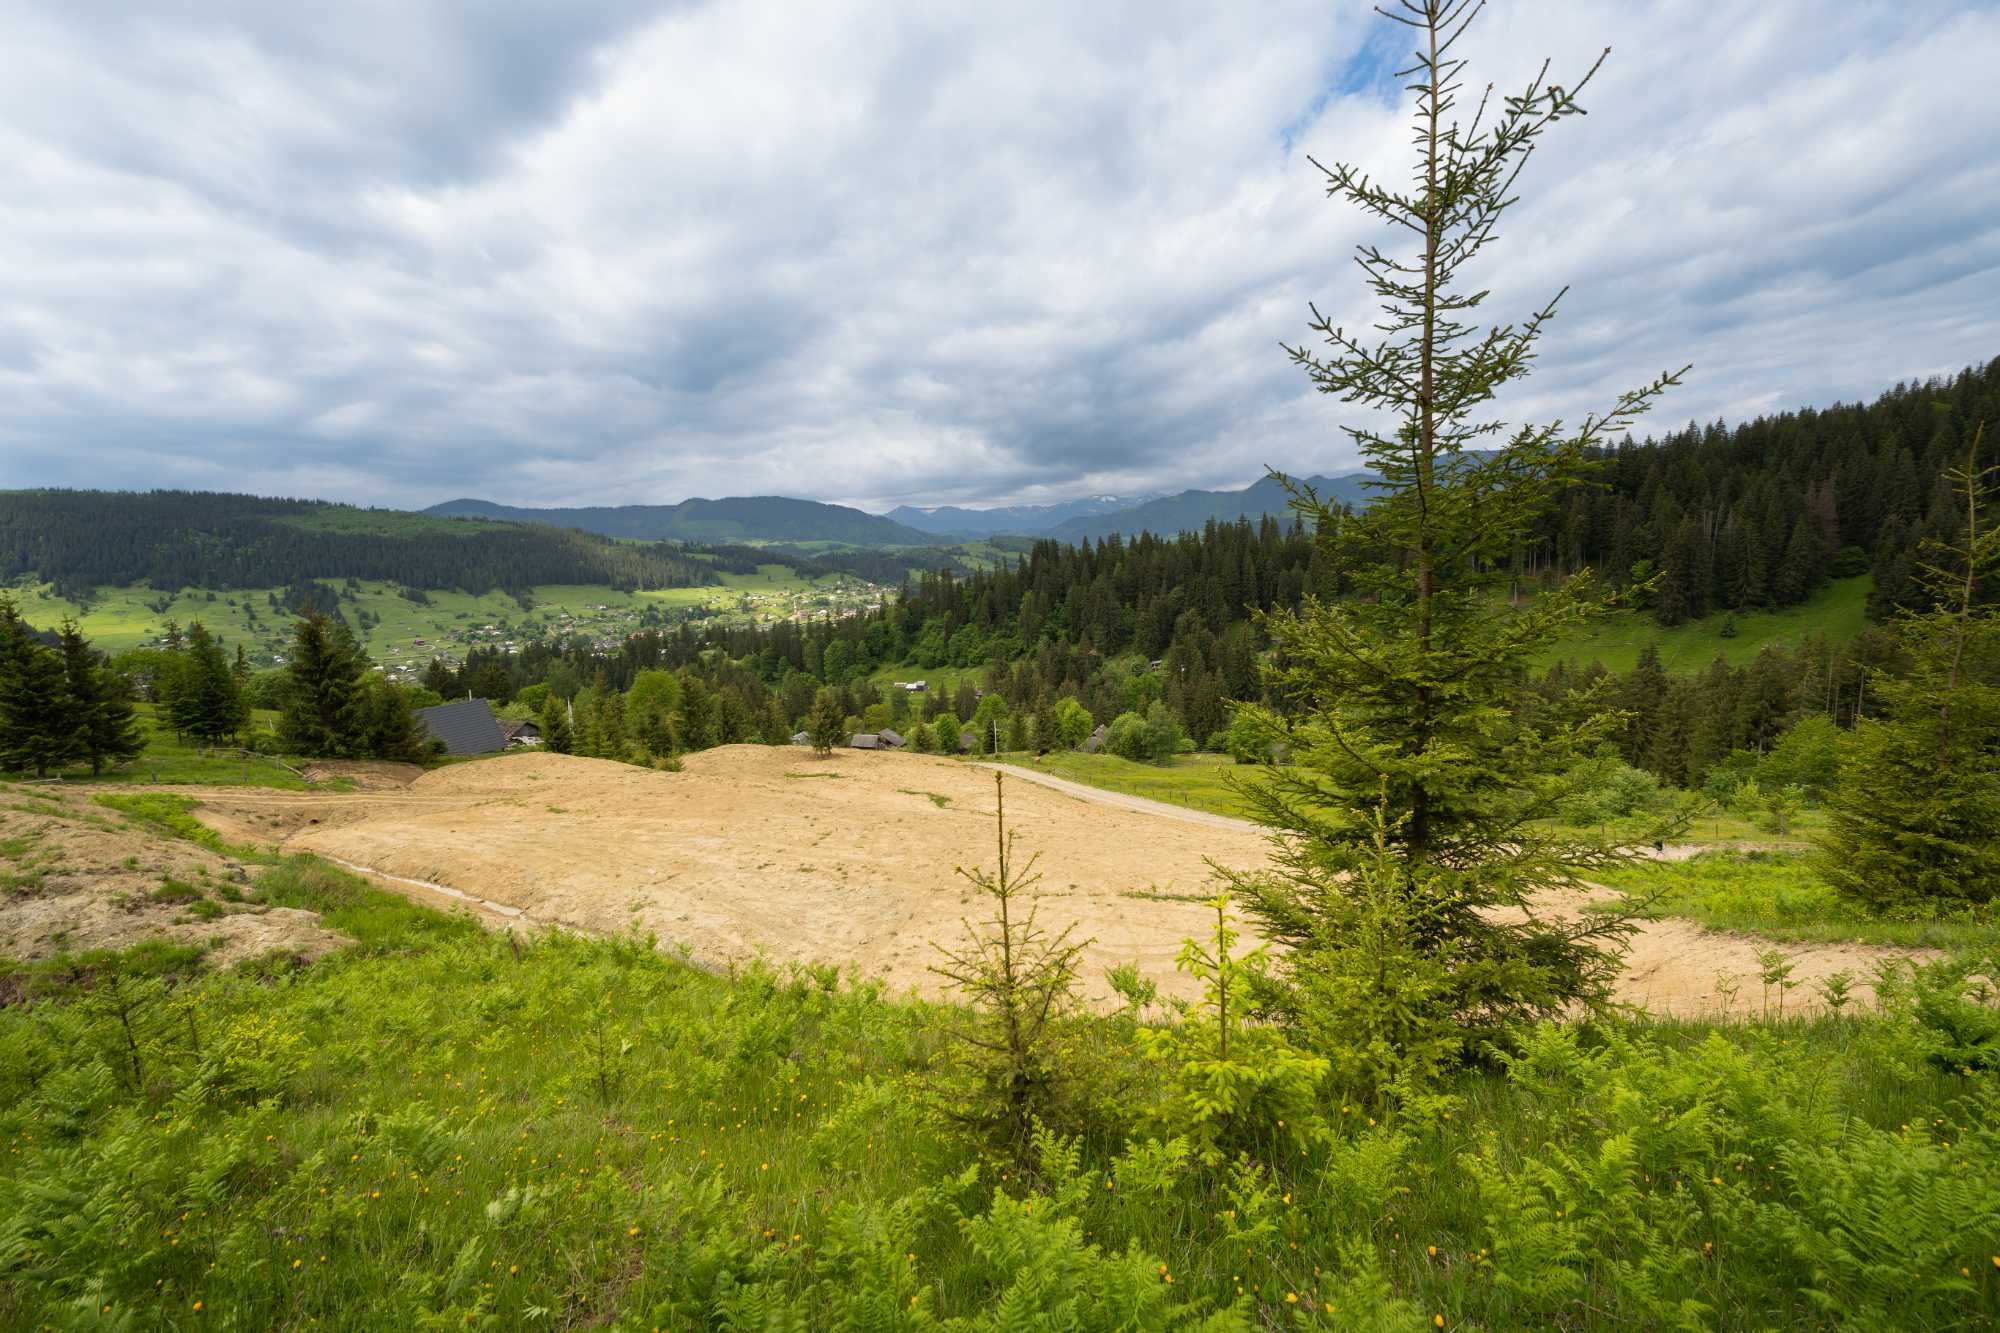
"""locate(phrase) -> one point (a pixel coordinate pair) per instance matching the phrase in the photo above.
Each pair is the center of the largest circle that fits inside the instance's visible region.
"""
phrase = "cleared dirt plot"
(850, 860)
(752, 849)
(77, 877)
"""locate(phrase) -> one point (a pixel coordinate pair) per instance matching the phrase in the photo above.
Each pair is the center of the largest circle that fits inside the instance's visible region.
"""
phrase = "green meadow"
(1837, 613)
(118, 619)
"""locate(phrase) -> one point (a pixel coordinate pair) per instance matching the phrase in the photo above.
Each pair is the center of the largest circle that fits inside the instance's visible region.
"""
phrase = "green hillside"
(396, 629)
(1837, 612)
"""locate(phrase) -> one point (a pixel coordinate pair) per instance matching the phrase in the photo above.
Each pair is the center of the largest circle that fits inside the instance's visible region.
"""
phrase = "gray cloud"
(396, 252)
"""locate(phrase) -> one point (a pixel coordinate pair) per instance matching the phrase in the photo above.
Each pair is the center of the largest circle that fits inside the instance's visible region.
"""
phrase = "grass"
(121, 618)
(1837, 612)
(169, 816)
(1777, 894)
(1196, 781)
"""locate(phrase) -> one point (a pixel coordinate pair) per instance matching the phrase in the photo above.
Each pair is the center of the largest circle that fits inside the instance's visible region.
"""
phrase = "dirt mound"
(364, 774)
(75, 876)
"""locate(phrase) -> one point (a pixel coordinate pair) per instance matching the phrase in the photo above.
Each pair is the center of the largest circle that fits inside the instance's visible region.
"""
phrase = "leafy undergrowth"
(1779, 895)
(446, 1128)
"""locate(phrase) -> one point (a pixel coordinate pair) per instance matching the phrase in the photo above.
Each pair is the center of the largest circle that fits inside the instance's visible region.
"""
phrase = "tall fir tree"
(208, 704)
(107, 724)
(556, 736)
(40, 730)
(1914, 820)
(1407, 743)
(325, 710)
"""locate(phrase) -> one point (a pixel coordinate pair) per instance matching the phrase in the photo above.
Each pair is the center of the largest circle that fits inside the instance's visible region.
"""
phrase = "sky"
(617, 251)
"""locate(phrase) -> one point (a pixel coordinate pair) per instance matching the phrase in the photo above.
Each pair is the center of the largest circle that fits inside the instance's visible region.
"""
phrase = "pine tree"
(825, 723)
(392, 729)
(1914, 820)
(208, 704)
(325, 712)
(556, 737)
(40, 728)
(1408, 691)
(108, 729)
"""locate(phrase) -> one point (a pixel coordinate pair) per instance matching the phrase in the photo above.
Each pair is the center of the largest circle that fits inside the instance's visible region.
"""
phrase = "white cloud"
(882, 253)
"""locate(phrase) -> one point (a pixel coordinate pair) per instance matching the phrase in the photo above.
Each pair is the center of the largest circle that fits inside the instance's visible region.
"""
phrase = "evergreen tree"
(107, 728)
(826, 723)
(393, 731)
(556, 737)
(1915, 817)
(1409, 734)
(325, 712)
(39, 725)
(209, 704)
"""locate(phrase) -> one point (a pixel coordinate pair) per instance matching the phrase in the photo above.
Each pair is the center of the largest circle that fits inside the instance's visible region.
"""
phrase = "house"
(466, 726)
(865, 740)
(1096, 741)
(520, 732)
(893, 740)
(913, 686)
(801, 738)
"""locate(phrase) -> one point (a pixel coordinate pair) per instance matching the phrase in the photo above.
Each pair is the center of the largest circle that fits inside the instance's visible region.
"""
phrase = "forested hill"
(747, 518)
(80, 540)
(1763, 513)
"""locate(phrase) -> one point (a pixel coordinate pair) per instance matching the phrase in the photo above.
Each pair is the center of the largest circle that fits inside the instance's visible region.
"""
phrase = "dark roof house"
(864, 740)
(893, 739)
(1096, 740)
(466, 727)
(520, 732)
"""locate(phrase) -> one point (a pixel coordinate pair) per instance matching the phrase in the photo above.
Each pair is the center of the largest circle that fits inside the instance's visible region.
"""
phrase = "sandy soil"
(80, 877)
(850, 859)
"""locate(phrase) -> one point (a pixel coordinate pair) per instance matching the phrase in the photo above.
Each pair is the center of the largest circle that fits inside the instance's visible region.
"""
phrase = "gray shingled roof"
(466, 727)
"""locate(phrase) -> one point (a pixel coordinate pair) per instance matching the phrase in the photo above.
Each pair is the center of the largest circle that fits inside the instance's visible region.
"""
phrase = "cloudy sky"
(606, 251)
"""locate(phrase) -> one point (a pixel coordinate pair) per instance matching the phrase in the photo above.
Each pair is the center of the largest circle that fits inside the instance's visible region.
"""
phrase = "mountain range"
(777, 518)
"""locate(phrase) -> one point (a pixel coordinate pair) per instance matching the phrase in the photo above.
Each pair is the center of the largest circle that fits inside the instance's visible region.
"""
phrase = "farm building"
(801, 738)
(1096, 741)
(465, 727)
(893, 739)
(865, 740)
(520, 732)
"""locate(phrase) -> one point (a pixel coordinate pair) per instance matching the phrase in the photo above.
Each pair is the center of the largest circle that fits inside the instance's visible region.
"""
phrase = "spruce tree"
(208, 704)
(40, 726)
(393, 731)
(1408, 730)
(826, 722)
(107, 727)
(1914, 820)
(325, 712)
(556, 738)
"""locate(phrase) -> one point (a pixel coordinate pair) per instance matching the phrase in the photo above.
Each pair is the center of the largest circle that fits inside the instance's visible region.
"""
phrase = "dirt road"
(848, 859)
(1141, 804)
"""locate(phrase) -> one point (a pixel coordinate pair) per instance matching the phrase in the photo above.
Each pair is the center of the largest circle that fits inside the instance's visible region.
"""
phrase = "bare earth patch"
(81, 877)
(755, 850)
